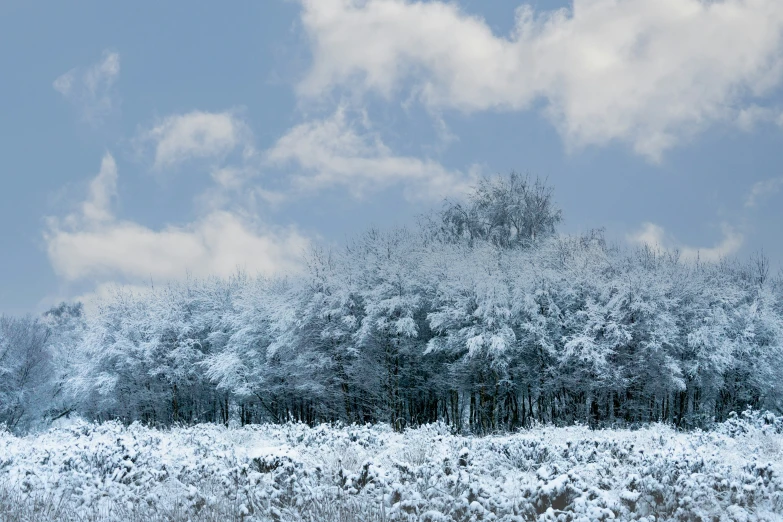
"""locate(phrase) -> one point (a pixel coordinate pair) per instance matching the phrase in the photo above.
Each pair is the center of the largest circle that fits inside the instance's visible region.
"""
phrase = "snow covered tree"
(25, 371)
(505, 211)
(484, 317)
(66, 324)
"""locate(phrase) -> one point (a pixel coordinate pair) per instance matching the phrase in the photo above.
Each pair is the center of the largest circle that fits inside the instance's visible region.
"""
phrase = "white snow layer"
(294, 472)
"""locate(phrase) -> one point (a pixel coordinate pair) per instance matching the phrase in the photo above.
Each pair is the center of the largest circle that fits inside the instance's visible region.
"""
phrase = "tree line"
(482, 317)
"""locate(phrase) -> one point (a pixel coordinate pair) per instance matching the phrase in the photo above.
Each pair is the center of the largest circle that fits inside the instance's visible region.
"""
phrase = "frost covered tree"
(505, 211)
(66, 324)
(141, 353)
(484, 317)
(25, 371)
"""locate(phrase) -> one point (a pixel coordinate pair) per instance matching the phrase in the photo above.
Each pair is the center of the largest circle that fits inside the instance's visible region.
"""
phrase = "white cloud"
(750, 117)
(656, 237)
(197, 135)
(647, 72)
(97, 207)
(96, 246)
(64, 84)
(762, 190)
(232, 185)
(333, 152)
(216, 244)
(649, 234)
(91, 89)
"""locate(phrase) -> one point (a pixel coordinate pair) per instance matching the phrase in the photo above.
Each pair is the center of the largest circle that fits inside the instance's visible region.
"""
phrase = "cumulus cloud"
(94, 245)
(197, 135)
(647, 72)
(103, 188)
(336, 152)
(655, 237)
(762, 190)
(217, 244)
(92, 89)
(341, 150)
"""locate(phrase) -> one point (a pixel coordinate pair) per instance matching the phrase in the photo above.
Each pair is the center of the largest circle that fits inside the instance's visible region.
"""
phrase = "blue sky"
(146, 141)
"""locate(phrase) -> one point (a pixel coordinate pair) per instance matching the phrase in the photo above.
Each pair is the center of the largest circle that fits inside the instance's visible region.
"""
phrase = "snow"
(295, 472)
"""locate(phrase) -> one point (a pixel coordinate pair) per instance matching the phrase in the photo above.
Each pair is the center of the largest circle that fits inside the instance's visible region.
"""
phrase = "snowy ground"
(292, 472)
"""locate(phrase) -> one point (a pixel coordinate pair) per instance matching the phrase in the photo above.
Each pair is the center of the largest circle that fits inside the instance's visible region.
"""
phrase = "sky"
(145, 142)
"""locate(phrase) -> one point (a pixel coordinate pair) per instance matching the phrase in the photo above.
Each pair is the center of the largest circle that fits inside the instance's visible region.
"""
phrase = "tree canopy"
(484, 318)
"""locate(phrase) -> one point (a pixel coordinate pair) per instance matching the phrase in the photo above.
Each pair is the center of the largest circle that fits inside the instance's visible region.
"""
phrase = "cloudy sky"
(145, 141)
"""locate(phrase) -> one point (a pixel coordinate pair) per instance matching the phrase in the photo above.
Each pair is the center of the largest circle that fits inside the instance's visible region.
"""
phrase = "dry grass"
(40, 507)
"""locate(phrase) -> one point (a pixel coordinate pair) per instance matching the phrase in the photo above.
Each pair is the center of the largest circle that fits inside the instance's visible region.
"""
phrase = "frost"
(293, 472)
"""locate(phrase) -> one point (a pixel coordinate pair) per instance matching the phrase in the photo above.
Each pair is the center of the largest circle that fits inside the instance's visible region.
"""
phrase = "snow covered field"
(293, 472)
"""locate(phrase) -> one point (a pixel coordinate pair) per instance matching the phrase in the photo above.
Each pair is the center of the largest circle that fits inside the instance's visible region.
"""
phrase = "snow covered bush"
(293, 472)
